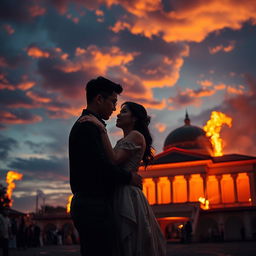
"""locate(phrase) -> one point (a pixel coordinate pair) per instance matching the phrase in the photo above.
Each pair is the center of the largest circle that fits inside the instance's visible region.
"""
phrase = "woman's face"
(125, 118)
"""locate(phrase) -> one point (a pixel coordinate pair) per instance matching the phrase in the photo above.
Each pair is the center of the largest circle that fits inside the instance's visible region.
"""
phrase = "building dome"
(189, 137)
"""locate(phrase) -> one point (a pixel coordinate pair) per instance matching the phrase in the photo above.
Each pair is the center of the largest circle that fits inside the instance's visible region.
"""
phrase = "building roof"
(178, 155)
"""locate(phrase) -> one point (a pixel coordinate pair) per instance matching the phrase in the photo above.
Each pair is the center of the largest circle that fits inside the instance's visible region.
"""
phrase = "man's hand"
(136, 180)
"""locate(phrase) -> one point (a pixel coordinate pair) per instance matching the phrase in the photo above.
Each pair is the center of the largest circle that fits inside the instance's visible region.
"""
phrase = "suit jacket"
(91, 172)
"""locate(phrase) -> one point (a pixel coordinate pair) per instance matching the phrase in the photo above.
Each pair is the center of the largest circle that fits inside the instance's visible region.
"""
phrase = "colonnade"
(218, 189)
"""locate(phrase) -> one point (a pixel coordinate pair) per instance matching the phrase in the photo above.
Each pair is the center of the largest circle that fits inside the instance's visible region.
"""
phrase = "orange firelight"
(204, 203)
(69, 203)
(10, 177)
(212, 129)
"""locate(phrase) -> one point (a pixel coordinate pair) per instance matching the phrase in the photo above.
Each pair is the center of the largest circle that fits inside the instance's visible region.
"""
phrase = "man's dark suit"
(93, 180)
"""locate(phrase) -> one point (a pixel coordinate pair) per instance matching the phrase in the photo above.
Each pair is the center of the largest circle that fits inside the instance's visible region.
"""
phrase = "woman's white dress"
(140, 234)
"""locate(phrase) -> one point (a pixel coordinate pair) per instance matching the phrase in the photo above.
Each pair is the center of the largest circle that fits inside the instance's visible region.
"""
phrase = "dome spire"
(187, 120)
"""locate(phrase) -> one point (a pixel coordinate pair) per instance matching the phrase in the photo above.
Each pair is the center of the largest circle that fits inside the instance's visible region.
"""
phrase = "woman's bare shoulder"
(136, 137)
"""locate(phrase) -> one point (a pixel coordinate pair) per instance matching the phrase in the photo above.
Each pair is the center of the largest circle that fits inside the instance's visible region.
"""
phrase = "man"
(93, 178)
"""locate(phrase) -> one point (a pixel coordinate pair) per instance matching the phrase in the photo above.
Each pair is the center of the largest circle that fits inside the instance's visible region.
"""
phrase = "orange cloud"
(170, 70)
(36, 10)
(184, 21)
(99, 59)
(25, 85)
(199, 93)
(11, 118)
(36, 52)
(9, 29)
(236, 91)
(220, 86)
(219, 48)
(205, 83)
(73, 19)
(37, 97)
(161, 127)
(189, 97)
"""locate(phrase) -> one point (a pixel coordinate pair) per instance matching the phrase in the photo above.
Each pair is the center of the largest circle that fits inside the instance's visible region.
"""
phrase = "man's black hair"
(102, 86)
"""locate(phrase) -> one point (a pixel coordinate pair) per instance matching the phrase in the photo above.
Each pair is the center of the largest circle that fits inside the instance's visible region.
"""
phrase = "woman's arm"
(120, 155)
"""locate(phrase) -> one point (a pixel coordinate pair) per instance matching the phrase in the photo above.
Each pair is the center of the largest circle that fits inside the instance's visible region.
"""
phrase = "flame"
(212, 129)
(69, 203)
(10, 177)
(204, 203)
(180, 226)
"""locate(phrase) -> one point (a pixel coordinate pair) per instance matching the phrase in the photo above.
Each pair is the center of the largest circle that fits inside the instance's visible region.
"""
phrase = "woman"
(140, 234)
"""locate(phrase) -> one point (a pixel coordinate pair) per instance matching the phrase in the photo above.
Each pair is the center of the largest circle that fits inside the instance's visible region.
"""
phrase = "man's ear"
(99, 99)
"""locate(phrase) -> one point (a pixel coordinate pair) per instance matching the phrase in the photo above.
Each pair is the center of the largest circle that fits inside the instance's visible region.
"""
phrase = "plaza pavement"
(174, 249)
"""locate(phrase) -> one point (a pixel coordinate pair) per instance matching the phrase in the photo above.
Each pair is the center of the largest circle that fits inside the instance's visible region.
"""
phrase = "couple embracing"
(109, 209)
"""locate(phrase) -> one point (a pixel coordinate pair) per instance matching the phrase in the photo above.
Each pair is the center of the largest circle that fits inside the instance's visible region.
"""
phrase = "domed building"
(188, 188)
(189, 137)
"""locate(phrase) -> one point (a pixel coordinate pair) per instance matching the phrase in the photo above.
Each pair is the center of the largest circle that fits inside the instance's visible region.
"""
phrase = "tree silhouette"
(4, 200)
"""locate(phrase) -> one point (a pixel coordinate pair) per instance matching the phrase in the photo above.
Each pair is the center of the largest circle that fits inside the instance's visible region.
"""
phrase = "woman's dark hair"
(103, 86)
(141, 125)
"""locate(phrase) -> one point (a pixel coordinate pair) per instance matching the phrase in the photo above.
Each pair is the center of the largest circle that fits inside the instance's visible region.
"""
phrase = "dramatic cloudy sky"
(170, 55)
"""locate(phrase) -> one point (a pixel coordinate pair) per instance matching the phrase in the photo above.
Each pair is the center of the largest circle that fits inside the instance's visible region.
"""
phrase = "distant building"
(184, 172)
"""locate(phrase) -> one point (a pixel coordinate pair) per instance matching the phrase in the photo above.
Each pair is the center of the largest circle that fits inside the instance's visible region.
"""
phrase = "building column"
(219, 178)
(234, 177)
(203, 176)
(187, 177)
(252, 182)
(156, 189)
(171, 179)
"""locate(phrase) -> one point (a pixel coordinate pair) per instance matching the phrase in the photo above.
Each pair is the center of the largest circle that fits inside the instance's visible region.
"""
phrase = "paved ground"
(194, 249)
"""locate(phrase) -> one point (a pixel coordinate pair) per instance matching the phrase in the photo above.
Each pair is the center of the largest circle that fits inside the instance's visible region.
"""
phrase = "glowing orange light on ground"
(10, 177)
(69, 203)
(204, 203)
(212, 129)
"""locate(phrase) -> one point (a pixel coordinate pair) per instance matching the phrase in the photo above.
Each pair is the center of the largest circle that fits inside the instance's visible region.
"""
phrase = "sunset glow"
(169, 56)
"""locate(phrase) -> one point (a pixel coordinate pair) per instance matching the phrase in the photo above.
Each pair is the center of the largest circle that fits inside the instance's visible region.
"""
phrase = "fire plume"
(69, 203)
(10, 177)
(213, 128)
(204, 203)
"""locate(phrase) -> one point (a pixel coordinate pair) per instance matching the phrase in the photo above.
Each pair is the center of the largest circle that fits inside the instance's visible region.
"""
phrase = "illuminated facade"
(186, 173)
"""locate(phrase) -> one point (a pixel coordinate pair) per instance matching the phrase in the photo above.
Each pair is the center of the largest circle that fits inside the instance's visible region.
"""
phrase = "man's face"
(108, 105)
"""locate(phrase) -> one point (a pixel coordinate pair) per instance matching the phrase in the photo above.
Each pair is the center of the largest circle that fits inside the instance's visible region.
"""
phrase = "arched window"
(212, 190)
(179, 189)
(149, 190)
(163, 190)
(243, 187)
(196, 187)
(227, 187)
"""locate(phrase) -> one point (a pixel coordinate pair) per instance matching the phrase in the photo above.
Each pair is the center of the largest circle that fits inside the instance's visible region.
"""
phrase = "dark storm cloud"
(69, 84)
(12, 99)
(6, 146)
(41, 168)
(82, 34)
(241, 60)
(190, 97)
(15, 10)
(57, 134)
(156, 57)
(37, 148)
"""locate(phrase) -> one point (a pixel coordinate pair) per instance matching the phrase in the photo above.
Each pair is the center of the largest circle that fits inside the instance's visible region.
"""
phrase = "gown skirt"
(140, 233)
